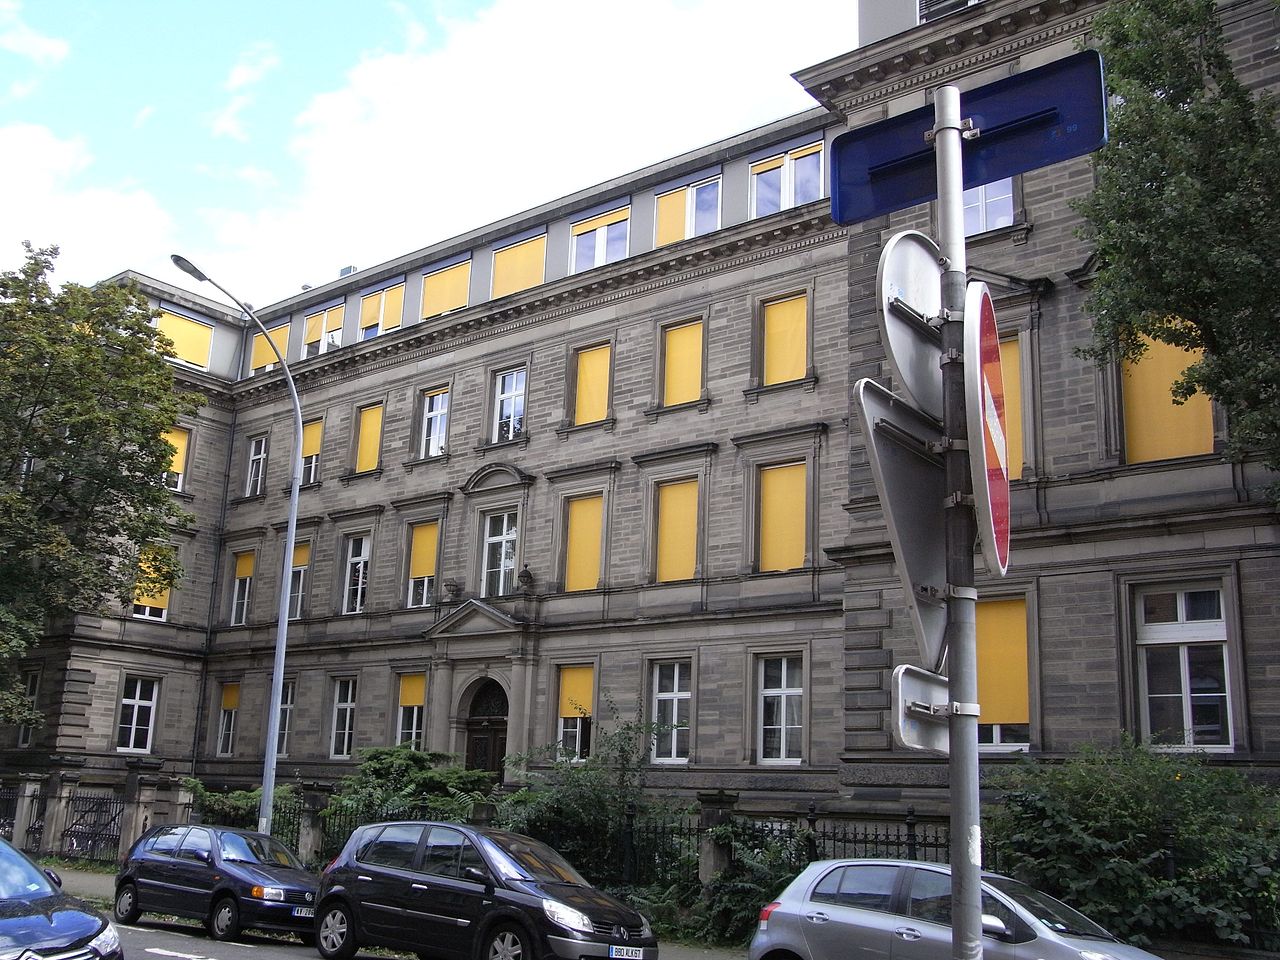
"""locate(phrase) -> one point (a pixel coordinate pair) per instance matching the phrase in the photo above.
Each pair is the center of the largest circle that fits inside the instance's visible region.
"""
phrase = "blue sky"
(275, 142)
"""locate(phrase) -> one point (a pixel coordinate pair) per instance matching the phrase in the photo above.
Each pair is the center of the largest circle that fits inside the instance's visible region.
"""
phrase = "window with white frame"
(410, 726)
(255, 475)
(786, 180)
(298, 579)
(288, 691)
(1182, 666)
(312, 436)
(672, 699)
(435, 422)
(176, 474)
(322, 331)
(501, 531)
(356, 583)
(30, 690)
(424, 545)
(137, 714)
(344, 718)
(508, 405)
(242, 588)
(687, 212)
(781, 709)
(576, 705)
(988, 207)
(599, 240)
(230, 706)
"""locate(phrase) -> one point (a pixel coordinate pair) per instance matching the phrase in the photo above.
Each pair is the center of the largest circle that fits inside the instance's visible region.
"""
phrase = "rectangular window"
(577, 699)
(787, 180)
(413, 698)
(344, 718)
(582, 542)
(682, 363)
(1003, 674)
(288, 691)
(519, 266)
(1156, 428)
(677, 534)
(312, 438)
(151, 606)
(137, 715)
(783, 516)
(381, 311)
(672, 698)
(256, 474)
(369, 438)
(508, 405)
(322, 331)
(500, 537)
(356, 583)
(1011, 373)
(591, 392)
(30, 693)
(781, 709)
(435, 423)
(687, 212)
(262, 357)
(600, 240)
(191, 339)
(446, 290)
(1182, 656)
(988, 207)
(180, 439)
(784, 353)
(241, 593)
(298, 579)
(227, 719)
(424, 544)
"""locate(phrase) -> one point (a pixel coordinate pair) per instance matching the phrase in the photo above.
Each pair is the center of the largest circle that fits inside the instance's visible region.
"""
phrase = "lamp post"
(282, 615)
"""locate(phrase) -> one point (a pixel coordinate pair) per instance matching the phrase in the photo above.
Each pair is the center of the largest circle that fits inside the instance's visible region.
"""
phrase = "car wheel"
(336, 936)
(507, 942)
(224, 921)
(126, 907)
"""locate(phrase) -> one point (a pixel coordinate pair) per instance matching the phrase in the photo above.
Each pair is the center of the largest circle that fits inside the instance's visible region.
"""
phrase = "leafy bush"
(236, 808)
(399, 781)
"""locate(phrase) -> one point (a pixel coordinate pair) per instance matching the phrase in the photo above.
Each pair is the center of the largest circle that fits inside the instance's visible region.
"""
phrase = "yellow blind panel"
(302, 554)
(677, 530)
(764, 166)
(1002, 661)
(425, 538)
(369, 310)
(333, 318)
(671, 218)
(230, 696)
(446, 289)
(191, 339)
(262, 352)
(592, 394)
(392, 307)
(682, 364)
(244, 564)
(413, 689)
(1011, 372)
(519, 267)
(782, 516)
(1156, 428)
(312, 434)
(582, 553)
(806, 151)
(161, 599)
(178, 437)
(311, 328)
(576, 685)
(595, 223)
(369, 442)
(786, 340)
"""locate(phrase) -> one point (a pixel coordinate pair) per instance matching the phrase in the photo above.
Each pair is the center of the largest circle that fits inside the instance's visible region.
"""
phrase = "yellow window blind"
(424, 541)
(592, 394)
(806, 151)
(764, 166)
(263, 355)
(230, 696)
(677, 530)
(312, 435)
(446, 289)
(783, 504)
(682, 364)
(191, 338)
(413, 689)
(244, 564)
(576, 691)
(369, 439)
(671, 217)
(1011, 373)
(1002, 661)
(333, 318)
(582, 550)
(595, 223)
(382, 308)
(313, 328)
(519, 266)
(302, 554)
(1156, 428)
(178, 437)
(159, 600)
(786, 340)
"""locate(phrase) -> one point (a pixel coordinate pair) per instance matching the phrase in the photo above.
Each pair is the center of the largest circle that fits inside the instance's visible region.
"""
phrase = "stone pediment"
(496, 476)
(475, 618)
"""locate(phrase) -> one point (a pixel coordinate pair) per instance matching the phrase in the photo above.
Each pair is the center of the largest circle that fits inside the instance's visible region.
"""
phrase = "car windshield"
(1054, 914)
(20, 879)
(255, 848)
(520, 858)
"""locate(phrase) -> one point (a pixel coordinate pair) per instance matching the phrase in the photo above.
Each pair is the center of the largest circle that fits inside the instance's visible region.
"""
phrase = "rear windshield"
(1054, 914)
(20, 879)
(256, 848)
(521, 858)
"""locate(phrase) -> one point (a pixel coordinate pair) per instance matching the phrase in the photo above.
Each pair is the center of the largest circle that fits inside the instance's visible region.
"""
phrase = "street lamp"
(282, 615)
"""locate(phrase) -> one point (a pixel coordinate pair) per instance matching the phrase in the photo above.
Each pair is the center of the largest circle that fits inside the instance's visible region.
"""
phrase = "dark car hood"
(596, 904)
(272, 875)
(57, 920)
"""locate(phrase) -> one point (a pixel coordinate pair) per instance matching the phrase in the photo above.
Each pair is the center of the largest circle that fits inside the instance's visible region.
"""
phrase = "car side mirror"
(57, 880)
(204, 856)
(993, 926)
(478, 876)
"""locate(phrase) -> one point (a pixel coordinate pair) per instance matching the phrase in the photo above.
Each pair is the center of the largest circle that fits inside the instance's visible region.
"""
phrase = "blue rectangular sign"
(1025, 121)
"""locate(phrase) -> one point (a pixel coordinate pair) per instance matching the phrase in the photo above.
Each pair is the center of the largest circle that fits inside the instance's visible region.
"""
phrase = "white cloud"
(226, 122)
(255, 63)
(142, 116)
(18, 38)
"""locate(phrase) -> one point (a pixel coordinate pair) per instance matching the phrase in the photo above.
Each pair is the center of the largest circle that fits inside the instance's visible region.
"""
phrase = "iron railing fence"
(93, 826)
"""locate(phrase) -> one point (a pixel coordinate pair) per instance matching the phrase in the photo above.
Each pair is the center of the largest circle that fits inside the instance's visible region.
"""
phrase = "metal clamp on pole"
(964, 709)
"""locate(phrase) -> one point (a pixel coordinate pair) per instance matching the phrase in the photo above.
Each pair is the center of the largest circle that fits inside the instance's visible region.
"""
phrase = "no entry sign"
(985, 405)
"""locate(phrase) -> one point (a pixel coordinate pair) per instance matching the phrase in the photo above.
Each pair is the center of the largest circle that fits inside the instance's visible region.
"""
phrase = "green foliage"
(236, 808)
(1094, 829)
(401, 781)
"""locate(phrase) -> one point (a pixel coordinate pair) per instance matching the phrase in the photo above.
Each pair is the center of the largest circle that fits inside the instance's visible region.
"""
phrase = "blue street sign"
(1025, 121)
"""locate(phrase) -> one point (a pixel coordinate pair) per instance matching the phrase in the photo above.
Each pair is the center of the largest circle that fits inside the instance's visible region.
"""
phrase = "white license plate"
(626, 953)
(304, 911)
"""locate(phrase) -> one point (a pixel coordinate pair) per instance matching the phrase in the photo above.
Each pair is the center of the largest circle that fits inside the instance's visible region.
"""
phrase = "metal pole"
(961, 533)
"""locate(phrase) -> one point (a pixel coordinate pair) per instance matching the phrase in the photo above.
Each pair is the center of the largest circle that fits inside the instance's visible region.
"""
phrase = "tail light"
(764, 914)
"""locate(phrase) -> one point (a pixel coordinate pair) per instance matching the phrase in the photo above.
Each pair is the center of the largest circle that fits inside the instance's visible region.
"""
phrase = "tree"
(86, 398)
(1184, 213)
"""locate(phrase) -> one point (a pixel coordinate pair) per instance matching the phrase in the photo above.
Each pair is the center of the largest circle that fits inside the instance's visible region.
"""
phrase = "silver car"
(900, 909)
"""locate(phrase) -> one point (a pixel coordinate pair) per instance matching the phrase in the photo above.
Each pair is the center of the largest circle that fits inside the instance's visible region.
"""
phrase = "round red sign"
(985, 410)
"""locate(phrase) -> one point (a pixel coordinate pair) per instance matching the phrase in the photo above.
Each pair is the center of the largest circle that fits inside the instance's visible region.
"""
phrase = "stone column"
(440, 704)
(715, 810)
(57, 811)
(139, 809)
(311, 827)
(27, 811)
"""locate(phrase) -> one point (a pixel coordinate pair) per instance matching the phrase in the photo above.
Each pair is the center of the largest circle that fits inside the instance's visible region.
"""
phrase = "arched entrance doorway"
(487, 729)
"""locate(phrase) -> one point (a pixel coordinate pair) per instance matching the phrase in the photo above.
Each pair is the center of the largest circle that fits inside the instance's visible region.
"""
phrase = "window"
(381, 311)
(369, 438)
(783, 516)
(781, 709)
(288, 692)
(671, 702)
(227, 719)
(600, 240)
(861, 886)
(1003, 675)
(424, 543)
(197, 845)
(988, 207)
(30, 693)
(298, 579)
(180, 440)
(687, 212)
(312, 437)
(446, 289)
(784, 332)
(519, 266)
(591, 391)
(344, 718)
(150, 606)
(1182, 656)
(137, 714)
(191, 339)
(681, 363)
(243, 588)
(677, 534)
(508, 405)
(500, 533)
(395, 846)
(787, 180)
(322, 331)
(256, 474)
(262, 357)
(577, 696)
(585, 519)
(435, 423)
(413, 697)
(1156, 428)
(356, 584)
(1011, 373)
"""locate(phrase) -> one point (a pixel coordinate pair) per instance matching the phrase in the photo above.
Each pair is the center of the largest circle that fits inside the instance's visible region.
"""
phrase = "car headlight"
(645, 929)
(108, 941)
(566, 916)
(268, 893)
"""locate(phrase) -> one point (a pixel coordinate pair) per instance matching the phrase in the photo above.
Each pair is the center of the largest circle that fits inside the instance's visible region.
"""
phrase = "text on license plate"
(304, 911)
(626, 953)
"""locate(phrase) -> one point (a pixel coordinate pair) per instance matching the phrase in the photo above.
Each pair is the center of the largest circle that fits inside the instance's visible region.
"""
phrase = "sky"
(274, 142)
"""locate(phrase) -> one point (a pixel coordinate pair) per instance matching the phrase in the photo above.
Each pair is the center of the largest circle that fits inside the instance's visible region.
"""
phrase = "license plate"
(304, 911)
(626, 953)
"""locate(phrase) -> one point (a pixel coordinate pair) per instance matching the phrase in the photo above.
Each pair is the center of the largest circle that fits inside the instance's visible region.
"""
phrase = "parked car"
(36, 916)
(847, 909)
(468, 893)
(231, 879)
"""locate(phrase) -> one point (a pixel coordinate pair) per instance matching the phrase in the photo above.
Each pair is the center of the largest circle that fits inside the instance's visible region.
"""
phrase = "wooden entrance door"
(487, 729)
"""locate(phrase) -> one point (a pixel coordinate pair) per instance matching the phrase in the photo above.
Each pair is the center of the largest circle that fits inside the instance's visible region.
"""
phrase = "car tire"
(224, 919)
(336, 932)
(125, 909)
(507, 941)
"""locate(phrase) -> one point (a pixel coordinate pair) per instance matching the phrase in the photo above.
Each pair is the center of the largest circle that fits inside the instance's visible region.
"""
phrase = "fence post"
(715, 809)
(139, 804)
(1166, 834)
(629, 844)
(811, 841)
(912, 851)
(310, 828)
(184, 804)
(58, 811)
(27, 810)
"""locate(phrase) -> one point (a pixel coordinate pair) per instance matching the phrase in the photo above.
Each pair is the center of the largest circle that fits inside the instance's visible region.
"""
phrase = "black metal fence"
(8, 811)
(93, 826)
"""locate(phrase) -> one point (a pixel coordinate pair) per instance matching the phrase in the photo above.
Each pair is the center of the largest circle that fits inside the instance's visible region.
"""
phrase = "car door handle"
(908, 933)
(419, 886)
(361, 876)
(817, 917)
